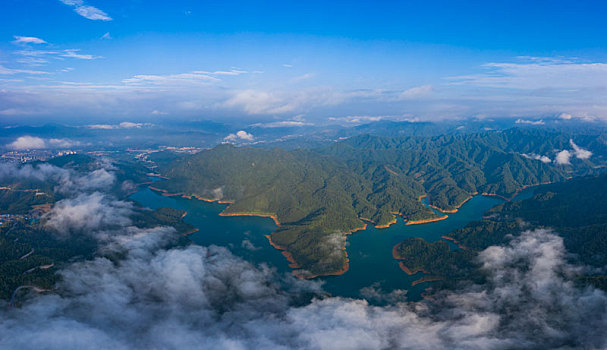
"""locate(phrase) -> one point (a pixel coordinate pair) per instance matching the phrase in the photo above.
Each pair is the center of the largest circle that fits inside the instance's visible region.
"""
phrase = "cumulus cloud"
(87, 11)
(565, 116)
(580, 153)
(563, 157)
(32, 142)
(543, 159)
(27, 142)
(239, 136)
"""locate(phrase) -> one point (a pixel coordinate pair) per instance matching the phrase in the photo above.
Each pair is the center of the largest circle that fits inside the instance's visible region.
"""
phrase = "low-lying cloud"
(33, 142)
(205, 296)
(88, 212)
(580, 153)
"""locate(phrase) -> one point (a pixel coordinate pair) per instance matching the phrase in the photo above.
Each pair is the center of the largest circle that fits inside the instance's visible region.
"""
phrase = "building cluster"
(26, 156)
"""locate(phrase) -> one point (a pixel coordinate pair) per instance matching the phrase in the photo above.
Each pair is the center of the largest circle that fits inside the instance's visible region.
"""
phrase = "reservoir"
(373, 271)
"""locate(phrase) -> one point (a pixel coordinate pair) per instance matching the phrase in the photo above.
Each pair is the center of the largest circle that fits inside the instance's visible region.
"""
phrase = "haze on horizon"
(89, 61)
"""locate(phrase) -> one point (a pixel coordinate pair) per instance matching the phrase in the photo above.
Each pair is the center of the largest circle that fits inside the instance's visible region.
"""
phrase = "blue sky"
(306, 62)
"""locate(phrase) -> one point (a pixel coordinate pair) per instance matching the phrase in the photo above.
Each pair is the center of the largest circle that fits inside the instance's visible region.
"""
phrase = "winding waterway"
(372, 268)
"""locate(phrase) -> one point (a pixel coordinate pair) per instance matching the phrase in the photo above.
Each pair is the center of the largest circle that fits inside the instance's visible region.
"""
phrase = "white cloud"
(565, 116)
(32, 142)
(28, 40)
(416, 92)
(543, 159)
(27, 142)
(106, 36)
(562, 158)
(580, 153)
(129, 125)
(87, 212)
(239, 136)
(102, 126)
(87, 11)
(530, 122)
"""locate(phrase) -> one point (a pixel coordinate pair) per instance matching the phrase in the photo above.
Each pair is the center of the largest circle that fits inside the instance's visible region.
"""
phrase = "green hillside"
(320, 195)
(576, 210)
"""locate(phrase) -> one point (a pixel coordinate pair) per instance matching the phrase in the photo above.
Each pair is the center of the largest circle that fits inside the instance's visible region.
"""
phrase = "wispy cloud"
(416, 92)
(530, 122)
(537, 73)
(73, 53)
(282, 124)
(87, 11)
(123, 125)
(171, 79)
(10, 71)
(28, 40)
(33, 56)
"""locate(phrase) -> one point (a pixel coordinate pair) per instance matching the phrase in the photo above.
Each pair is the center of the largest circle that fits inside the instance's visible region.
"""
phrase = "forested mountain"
(576, 210)
(320, 195)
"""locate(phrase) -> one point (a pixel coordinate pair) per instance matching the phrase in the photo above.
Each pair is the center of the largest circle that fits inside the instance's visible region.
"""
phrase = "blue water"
(369, 251)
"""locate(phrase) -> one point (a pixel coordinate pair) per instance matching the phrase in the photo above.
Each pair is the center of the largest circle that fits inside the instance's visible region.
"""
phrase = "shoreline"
(517, 191)
(408, 271)
(191, 232)
(388, 224)
(425, 221)
(427, 279)
(271, 216)
(166, 193)
(461, 246)
(455, 207)
(292, 263)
